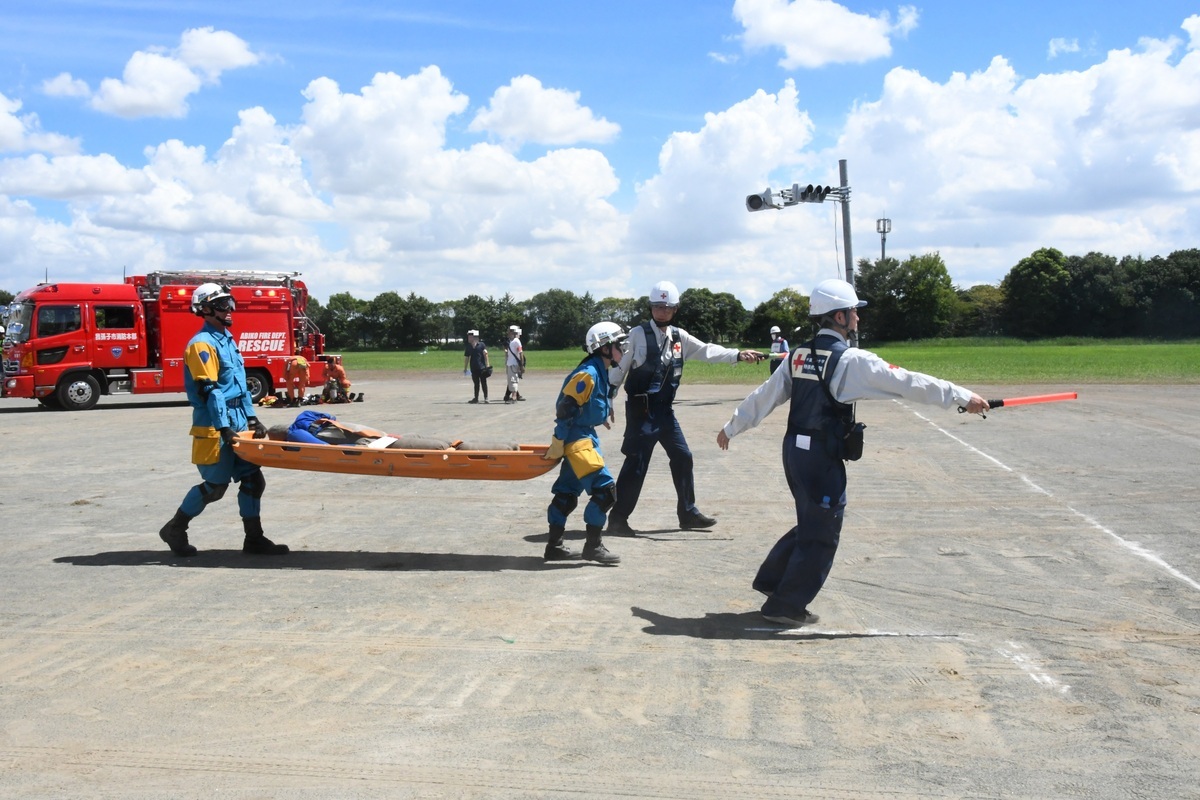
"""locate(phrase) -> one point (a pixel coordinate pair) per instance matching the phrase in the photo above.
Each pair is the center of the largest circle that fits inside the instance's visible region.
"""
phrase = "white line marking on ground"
(1134, 547)
(807, 631)
(1032, 668)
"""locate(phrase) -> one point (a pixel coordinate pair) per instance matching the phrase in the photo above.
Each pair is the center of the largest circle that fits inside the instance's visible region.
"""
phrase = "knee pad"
(565, 503)
(254, 485)
(212, 492)
(605, 498)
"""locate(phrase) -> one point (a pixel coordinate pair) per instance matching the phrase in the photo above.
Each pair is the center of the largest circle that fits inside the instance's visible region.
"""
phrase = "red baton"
(1030, 400)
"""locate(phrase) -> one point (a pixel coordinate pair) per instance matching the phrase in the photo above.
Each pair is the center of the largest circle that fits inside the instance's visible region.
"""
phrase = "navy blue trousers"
(642, 432)
(797, 566)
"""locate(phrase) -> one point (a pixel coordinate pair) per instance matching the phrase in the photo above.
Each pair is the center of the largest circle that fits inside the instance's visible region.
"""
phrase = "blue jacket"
(583, 402)
(215, 381)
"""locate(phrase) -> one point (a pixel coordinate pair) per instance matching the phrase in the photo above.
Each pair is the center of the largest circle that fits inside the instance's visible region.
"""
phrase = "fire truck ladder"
(156, 280)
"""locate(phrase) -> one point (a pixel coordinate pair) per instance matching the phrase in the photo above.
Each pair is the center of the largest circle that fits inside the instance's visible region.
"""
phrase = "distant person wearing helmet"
(779, 348)
(583, 403)
(825, 376)
(514, 365)
(651, 374)
(215, 382)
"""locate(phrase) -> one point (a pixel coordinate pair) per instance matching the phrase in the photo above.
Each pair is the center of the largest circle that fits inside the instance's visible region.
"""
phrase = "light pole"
(884, 226)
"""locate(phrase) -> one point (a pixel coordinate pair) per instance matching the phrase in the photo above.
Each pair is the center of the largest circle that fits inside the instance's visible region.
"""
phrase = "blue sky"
(452, 148)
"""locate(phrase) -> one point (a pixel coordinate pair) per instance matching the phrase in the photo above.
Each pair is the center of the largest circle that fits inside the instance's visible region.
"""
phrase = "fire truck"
(66, 344)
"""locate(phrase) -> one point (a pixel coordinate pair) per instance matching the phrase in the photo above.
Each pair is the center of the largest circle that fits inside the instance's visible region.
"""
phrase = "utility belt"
(842, 440)
(645, 402)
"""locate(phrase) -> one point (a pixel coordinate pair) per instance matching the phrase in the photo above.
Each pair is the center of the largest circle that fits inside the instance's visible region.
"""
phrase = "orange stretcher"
(470, 465)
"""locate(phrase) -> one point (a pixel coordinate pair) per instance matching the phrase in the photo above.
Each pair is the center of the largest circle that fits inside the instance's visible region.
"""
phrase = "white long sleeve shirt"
(692, 349)
(859, 375)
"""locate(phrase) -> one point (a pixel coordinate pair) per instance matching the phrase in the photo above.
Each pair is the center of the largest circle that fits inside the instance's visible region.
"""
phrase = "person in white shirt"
(514, 365)
(822, 380)
(651, 374)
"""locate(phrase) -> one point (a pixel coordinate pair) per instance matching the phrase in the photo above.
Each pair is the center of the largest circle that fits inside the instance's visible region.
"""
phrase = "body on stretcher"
(320, 443)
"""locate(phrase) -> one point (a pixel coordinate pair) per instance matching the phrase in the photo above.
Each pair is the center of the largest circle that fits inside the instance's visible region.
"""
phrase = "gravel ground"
(1014, 612)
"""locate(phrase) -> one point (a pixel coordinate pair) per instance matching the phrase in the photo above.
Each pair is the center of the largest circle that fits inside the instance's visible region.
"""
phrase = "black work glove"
(227, 435)
(260, 430)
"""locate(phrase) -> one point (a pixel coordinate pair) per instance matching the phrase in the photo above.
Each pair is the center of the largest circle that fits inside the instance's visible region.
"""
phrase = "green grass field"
(964, 361)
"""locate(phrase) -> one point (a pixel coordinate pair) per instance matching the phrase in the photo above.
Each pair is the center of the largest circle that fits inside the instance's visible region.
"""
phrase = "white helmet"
(832, 295)
(603, 333)
(514, 329)
(665, 292)
(206, 294)
(774, 329)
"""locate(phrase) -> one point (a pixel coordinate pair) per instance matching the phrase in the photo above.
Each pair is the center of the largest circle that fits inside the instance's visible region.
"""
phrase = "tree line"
(1046, 294)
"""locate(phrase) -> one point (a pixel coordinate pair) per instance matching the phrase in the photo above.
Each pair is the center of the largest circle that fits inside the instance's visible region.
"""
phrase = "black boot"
(258, 544)
(555, 549)
(174, 533)
(594, 549)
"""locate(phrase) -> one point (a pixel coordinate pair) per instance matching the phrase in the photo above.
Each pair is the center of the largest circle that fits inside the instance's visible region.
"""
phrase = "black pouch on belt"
(852, 442)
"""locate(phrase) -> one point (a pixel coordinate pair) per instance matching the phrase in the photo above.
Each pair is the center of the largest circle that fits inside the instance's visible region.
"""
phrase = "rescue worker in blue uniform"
(651, 374)
(583, 403)
(215, 381)
(823, 378)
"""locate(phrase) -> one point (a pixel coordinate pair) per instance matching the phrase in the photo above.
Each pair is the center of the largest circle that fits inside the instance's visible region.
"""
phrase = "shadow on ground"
(310, 560)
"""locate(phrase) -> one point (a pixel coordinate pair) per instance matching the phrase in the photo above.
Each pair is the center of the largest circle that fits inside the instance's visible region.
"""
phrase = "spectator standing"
(514, 365)
(477, 365)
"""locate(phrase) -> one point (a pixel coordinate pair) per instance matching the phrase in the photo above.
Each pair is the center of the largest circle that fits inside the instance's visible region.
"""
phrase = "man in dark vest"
(822, 379)
(651, 373)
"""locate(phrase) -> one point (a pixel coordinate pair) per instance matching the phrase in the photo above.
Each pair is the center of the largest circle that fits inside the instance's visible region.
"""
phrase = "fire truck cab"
(66, 344)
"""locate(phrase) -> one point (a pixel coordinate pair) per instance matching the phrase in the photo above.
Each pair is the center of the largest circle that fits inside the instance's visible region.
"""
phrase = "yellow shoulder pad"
(202, 361)
(580, 387)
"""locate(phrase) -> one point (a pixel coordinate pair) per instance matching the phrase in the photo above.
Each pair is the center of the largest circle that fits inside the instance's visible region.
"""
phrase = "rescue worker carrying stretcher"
(215, 382)
(583, 403)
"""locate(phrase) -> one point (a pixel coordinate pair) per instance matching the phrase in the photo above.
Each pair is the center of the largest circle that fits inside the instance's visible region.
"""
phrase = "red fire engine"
(66, 344)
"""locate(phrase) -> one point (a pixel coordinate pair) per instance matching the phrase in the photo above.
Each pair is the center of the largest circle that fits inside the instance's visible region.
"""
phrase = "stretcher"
(450, 464)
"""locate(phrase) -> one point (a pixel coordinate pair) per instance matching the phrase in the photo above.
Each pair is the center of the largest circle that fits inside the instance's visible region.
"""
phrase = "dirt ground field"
(1014, 612)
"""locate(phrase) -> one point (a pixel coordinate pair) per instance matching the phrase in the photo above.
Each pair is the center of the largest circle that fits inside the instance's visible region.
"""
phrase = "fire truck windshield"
(16, 323)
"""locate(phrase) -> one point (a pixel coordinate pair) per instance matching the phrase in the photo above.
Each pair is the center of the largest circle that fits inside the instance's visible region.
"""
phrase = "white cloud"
(526, 111)
(363, 194)
(1192, 26)
(24, 133)
(989, 157)
(213, 52)
(813, 33)
(697, 197)
(69, 177)
(63, 85)
(1060, 45)
(157, 84)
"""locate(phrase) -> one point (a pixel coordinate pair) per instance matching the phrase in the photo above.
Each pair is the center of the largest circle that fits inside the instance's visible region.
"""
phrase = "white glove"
(555, 451)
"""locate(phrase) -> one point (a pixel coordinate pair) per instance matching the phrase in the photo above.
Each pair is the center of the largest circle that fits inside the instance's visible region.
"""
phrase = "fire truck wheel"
(259, 383)
(78, 392)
